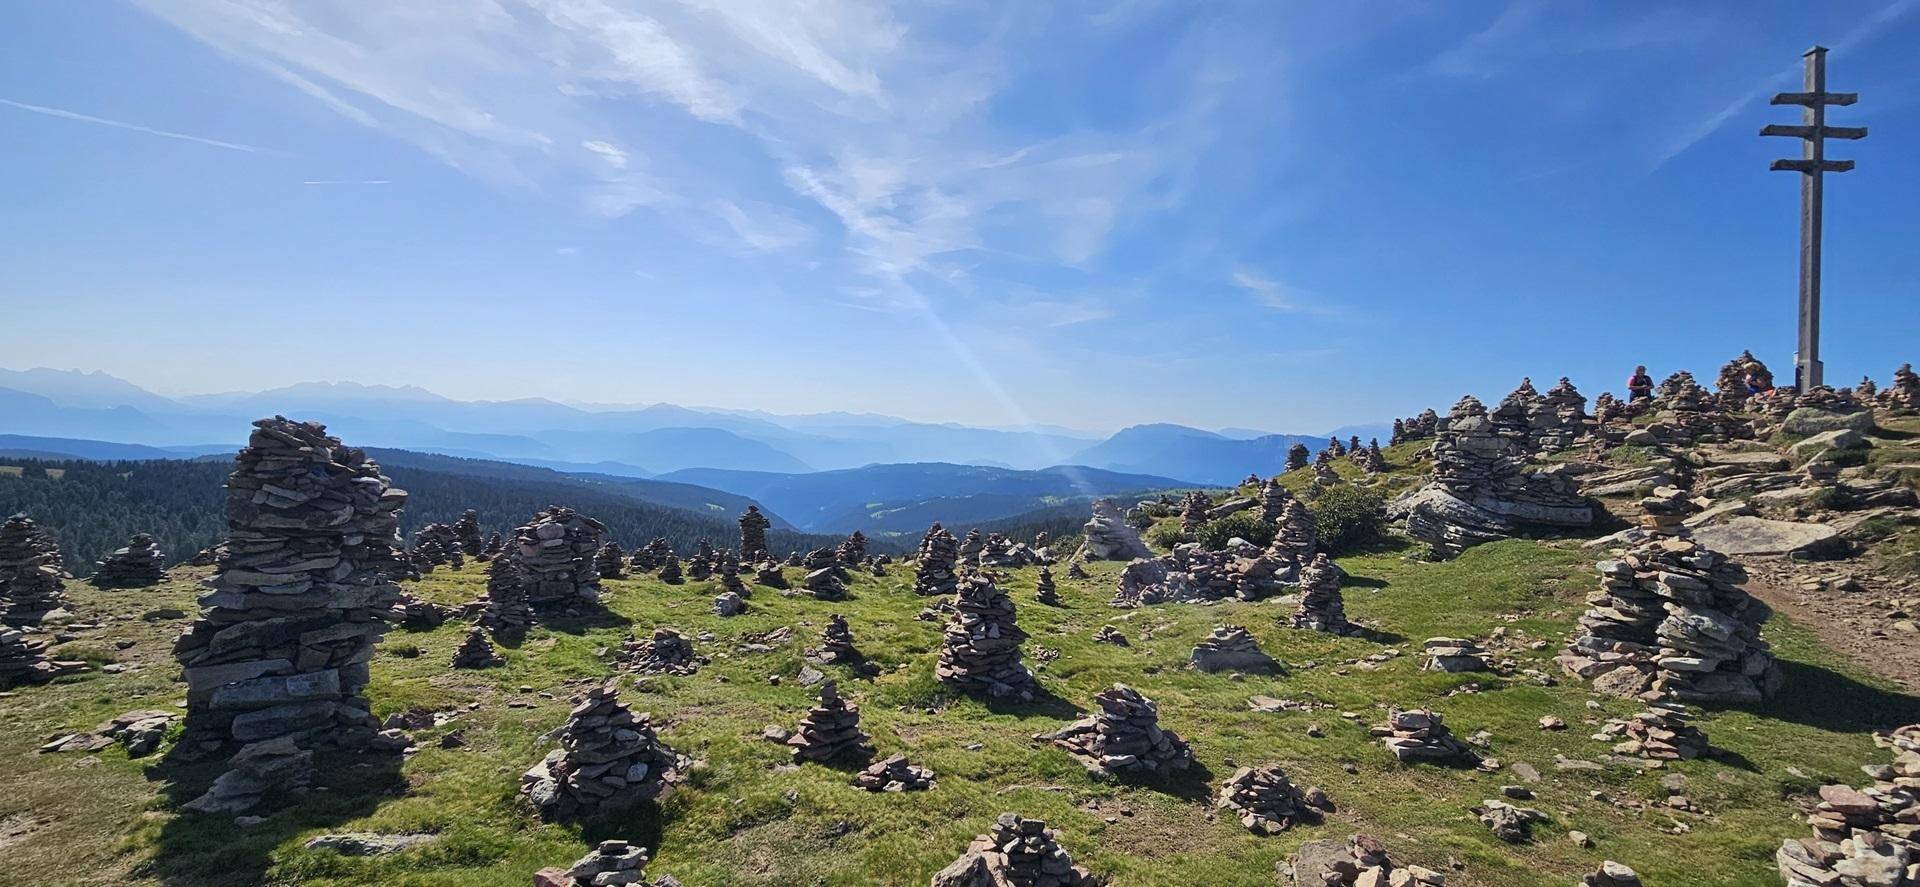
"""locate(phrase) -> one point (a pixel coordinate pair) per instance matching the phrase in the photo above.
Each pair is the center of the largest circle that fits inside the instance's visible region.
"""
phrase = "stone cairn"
(1731, 384)
(829, 730)
(1361, 861)
(610, 562)
(476, 651)
(507, 613)
(730, 580)
(1044, 591)
(556, 556)
(770, 574)
(1109, 635)
(1267, 802)
(1863, 837)
(1076, 570)
(1372, 460)
(651, 556)
(1455, 655)
(826, 583)
(894, 775)
(1297, 456)
(256, 769)
(1481, 489)
(1419, 427)
(495, 544)
(466, 533)
(1297, 539)
(1866, 392)
(1273, 500)
(610, 863)
(433, 547)
(836, 643)
(1510, 417)
(665, 652)
(1557, 419)
(1671, 621)
(1017, 852)
(138, 565)
(753, 533)
(670, 570)
(31, 578)
(23, 660)
(1193, 511)
(1123, 738)
(1321, 606)
(1232, 648)
(1418, 735)
(700, 565)
(939, 555)
(1904, 394)
(1109, 537)
(281, 646)
(1685, 414)
(1661, 733)
(971, 546)
(852, 550)
(609, 759)
(980, 651)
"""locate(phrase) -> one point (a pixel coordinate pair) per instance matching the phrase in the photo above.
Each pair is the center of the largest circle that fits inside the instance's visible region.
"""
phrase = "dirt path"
(1860, 625)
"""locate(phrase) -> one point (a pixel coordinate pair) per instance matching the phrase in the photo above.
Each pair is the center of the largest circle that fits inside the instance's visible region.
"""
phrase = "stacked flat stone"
(1510, 417)
(31, 578)
(1297, 456)
(1324, 458)
(1557, 419)
(1664, 513)
(1231, 648)
(1481, 489)
(1419, 736)
(938, 559)
(1193, 574)
(971, 546)
(281, 646)
(138, 565)
(1000, 552)
(1454, 655)
(1661, 733)
(1671, 621)
(1108, 536)
(666, 651)
(1273, 500)
(829, 730)
(1419, 427)
(1361, 862)
(1266, 802)
(433, 546)
(1297, 539)
(1611, 874)
(1399, 432)
(836, 643)
(476, 651)
(23, 659)
(466, 533)
(1193, 511)
(1044, 591)
(670, 570)
(980, 650)
(825, 584)
(1904, 394)
(417, 614)
(1685, 414)
(207, 557)
(1864, 837)
(753, 533)
(1731, 384)
(730, 577)
(1608, 410)
(770, 574)
(507, 613)
(609, 759)
(894, 775)
(700, 565)
(852, 550)
(1371, 459)
(610, 562)
(1124, 737)
(495, 545)
(277, 764)
(1017, 852)
(1321, 606)
(1866, 391)
(1109, 635)
(651, 556)
(610, 863)
(1075, 570)
(556, 554)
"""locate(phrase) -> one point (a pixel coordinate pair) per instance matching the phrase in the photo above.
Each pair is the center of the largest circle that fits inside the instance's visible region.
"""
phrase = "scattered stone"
(1124, 737)
(609, 759)
(980, 651)
(1232, 648)
(138, 565)
(140, 731)
(1747, 535)
(829, 730)
(1661, 733)
(825, 584)
(1511, 824)
(894, 775)
(477, 652)
(23, 657)
(1359, 862)
(1266, 802)
(1017, 852)
(1109, 635)
(1109, 537)
(1420, 736)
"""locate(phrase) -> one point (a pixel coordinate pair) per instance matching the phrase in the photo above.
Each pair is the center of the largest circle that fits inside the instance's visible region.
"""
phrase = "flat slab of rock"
(1758, 535)
(1813, 420)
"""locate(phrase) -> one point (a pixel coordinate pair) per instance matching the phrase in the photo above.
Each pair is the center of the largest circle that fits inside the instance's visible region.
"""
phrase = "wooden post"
(1813, 165)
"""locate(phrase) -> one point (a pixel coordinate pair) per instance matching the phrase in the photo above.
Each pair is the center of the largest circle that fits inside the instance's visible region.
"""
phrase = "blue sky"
(1279, 215)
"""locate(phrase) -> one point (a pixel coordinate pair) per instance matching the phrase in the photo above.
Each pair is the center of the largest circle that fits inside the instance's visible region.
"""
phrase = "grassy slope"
(751, 819)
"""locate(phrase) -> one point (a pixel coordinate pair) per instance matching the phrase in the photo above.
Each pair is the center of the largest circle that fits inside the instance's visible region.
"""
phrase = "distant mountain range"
(1199, 456)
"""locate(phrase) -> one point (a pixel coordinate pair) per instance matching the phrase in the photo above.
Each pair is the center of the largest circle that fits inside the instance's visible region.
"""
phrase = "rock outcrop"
(1482, 489)
(1232, 648)
(1109, 537)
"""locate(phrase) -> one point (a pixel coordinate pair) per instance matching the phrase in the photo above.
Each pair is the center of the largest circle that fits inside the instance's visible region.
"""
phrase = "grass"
(751, 818)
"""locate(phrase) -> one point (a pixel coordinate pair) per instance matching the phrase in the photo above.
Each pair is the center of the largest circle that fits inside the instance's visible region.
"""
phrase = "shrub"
(1245, 524)
(1347, 516)
(1167, 534)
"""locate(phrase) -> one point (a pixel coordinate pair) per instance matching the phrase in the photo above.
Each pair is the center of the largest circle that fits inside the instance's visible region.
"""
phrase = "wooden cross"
(1813, 165)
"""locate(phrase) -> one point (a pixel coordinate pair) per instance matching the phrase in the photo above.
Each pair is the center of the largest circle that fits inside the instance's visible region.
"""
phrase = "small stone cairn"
(1044, 591)
(939, 555)
(730, 580)
(1372, 460)
(1109, 635)
(700, 565)
(1557, 419)
(1361, 862)
(610, 863)
(610, 562)
(670, 570)
(1296, 539)
(23, 659)
(852, 550)
(282, 642)
(651, 556)
(556, 554)
(1454, 655)
(495, 544)
(825, 584)
(506, 613)
(1017, 852)
(836, 643)
(1508, 822)
(971, 546)
(829, 730)
(1731, 384)
(1124, 738)
(1671, 621)
(1273, 500)
(1265, 801)
(1193, 511)
(770, 574)
(1419, 736)
(980, 650)
(1904, 394)
(1232, 648)
(753, 533)
(1109, 537)
(894, 775)
(609, 759)
(1297, 457)
(1661, 733)
(466, 533)
(666, 651)
(476, 651)
(1321, 606)
(31, 578)
(138, 565)
(1863, 837)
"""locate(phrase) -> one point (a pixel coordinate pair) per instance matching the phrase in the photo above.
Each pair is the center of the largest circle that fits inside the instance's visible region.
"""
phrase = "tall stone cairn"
(971, 546)
(836, 643)
(670, 570)
(138, 565)
(853, 549)
(1557, 419)
(753, 533)
(1399, 433)
(730, 577)
(1124, 737)
(1297, 456)
(1372, 460)
(1321, 606)
(609, 760)
(1193, 511)
(1671, 621)
(1510, 417)
(1863, 837)
(980, 652)
(1297, 538)
(23, 659)
(1731, 384)
(829, 730)
(31, 578)
(1017, 852)
(507, 613)
(1044, 590)
(466, 533)
(939, 557)
(1273, 500)
(1108, 536)
(1904, 394)
(610, 562)
(282, 644)
(1866, 391)
(435, 545)
(495, 545)
(556, 552)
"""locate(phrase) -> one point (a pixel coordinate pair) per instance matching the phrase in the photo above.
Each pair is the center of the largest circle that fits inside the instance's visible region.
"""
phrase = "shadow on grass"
(213, 850)
(587, 618)
(1192, 784)
(1822, 698)
(1045, 703)
(641, 826)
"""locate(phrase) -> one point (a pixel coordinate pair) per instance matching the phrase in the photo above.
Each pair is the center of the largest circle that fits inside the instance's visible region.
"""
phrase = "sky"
(1287, 216)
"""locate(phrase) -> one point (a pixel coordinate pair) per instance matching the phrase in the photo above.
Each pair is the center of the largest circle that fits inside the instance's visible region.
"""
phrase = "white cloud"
(1267, 291)
(135, 127)
(615, 157)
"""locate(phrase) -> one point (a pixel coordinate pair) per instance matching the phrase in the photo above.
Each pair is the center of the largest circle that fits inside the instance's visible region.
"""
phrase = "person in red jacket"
(1639, 385)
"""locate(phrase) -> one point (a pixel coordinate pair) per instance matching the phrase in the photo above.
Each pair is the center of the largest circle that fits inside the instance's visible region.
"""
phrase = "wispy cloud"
(1267, 291)
(135, 127)
(347, 182)
(608, 151)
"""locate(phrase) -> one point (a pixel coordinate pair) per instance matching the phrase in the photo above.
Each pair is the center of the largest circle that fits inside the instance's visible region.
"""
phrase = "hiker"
(1639, 385)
